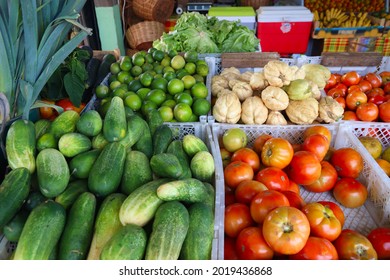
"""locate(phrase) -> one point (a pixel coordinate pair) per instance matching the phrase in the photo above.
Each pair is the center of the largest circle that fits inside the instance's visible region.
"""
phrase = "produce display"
(83, 186)
(380, 153)
(346, 5)
(337, 18)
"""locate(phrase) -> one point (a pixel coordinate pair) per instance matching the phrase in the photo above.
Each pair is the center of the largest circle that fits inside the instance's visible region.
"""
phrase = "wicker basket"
(153, 10)
(255, 3)
(140, 36)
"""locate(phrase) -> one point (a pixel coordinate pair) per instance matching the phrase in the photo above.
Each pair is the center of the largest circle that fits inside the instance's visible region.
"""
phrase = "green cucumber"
(129, 243)
(162, 137)
(98, 141)
(64, 123)
(81, 164)
(166, 165)
(211, 195)
(90, 123)
(170, 227)
(145, 142)
(154, 120)
(13, 229)
(77, 234)
(34, 198)
(71, 193)
(73, 143)
(114, 123)
(193, 144)
(41, 127)
(135, 126)
(187, 190)
(202, 166)
(41, 232)
(176, 148)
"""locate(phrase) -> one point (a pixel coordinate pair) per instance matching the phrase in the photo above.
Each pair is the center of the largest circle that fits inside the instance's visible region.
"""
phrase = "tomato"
(249, 156)
(226, 156)
(343, 87)
(341, 101)
(365, 85)
(350, 116)
(234, 139)
(331, 82)
(337, 211)
(273, 178)
(347, 161)
(350, 193)
(386, 88)
(237, 217)
(329, 153)
(385, 75)
(367, 112)
(236, 172)
(265, 201)
(294, 187)
(304, 168)
(277, 152)
(326, 181)
(354, 99)
(247, 189)
(294, 199)
(296, 147)
(318, 129)
(384, 111)
(377, 100)
(380, 240)
(230, 197)
(350, 78)
(229, 248)
(374, 79)
(354, 88)
(286, 230)
(316, 248)
(375, 91)
(351, 245)
(318, 144)
(67, 105)
(259, 142)
(48, 113)
(335, 92)
(250, 245)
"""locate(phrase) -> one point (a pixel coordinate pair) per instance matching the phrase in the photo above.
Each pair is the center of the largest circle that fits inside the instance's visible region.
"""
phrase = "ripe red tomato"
(380, 240)
(337, 211)
(286, 230)
(249, 156)
(259, 142)
(277, 152)
(67, 105)
(226, 156)
(229, 248)
(323, 222)
(386, 88)
(351, 245)
(304, 168)
(377, 100)
(343, 87)
(335, 92)
(326, 181)
(350, 193)
(236, 172)
(294, 199)
(316, 248)
(237, 217)
(367, 112)
(365, 85)
(273, 178)
(294, 187)
(354, 99)
(331, 82)
(318, 144)
(318, 129)
(246, 190)
(350, 116)
(341, 101)
(348, 162)
(229, 196)
(374, 79)
(350, 78)
(354, 88)
(48, 113)
(375, 91)
(265, 201)
(384, 111)
(251, 245)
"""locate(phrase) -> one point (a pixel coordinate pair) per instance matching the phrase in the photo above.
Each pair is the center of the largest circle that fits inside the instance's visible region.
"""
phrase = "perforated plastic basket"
(362, 219)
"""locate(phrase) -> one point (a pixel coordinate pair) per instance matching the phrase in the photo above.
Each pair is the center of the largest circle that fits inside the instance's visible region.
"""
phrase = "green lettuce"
(241, 40)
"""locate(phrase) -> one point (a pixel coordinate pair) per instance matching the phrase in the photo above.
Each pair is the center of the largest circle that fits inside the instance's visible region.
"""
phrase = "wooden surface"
(247, 60)
(335, 59)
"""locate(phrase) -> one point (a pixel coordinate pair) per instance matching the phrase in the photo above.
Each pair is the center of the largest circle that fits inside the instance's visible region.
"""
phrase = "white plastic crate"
(362, 219)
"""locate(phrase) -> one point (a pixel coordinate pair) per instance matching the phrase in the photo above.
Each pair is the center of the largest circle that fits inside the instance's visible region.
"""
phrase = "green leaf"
(75, 87)
(78, 69)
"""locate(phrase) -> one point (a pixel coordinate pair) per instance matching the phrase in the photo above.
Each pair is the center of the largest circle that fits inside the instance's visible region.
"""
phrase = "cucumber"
(141, 205)
(193, 144)
(210, 201)
(135, 126)
(14, 191)
(129, 243)
(45, 141)
(99, 141)
(90, 123)
(176, 148)
(64, 123)
(52, 172)
(202, 166)
(170, 227)
(92, 69)
(34, 198)
(81, 164)
(71, 193)
(104, 68)
(145, 142)
(162, 137)
(41, 232)
(73, 143)
(154, 120)
(20, 145)
(41, 127)
(13, 229)
(187, 190)
(199, 239)
(106, 173)
(166, 165)
(114, 123)
(77, 234)
(136, 173)
(106, 225)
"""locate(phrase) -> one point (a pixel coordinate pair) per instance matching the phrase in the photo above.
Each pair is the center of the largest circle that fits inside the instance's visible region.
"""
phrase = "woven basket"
(153, 10)
(140, 36)
(255, 3)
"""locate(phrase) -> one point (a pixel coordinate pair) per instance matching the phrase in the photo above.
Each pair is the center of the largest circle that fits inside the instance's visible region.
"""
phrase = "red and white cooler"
(284, 29)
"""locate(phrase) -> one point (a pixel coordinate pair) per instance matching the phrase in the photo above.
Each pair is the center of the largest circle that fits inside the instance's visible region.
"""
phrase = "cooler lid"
(231, 11)
(284, 13)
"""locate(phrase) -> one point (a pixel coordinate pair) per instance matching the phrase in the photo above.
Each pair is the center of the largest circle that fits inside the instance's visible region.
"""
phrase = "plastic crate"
(362, 219)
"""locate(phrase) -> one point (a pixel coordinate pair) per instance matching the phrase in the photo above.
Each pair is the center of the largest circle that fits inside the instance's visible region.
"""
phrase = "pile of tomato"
(363, 97)
(50, 113)
(265, 214)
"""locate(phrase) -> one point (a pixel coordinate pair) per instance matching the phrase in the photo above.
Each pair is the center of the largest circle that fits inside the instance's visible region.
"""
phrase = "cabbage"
(241, 40)
(198, 40)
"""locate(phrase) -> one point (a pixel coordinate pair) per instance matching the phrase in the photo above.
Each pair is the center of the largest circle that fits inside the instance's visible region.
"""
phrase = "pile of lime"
(172, 83)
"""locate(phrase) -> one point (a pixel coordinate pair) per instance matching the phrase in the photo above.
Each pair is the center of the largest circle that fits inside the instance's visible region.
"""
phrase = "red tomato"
(249, 156)
(385, 75)
(277, 152)
(347, 161)
(343, 87)
(67, 105)
(337, 211)
(273, 178)
(326, 181)
(265, 201)
(237, 217)
(350, 193)
(375, 91)
(229, 196)
(318, 144)
(259, 142)
(380, 240)
(286, 230)
(350, 78)
(316, 248)
(335, 92)
(341, 101)
(354, 88)
(250, 245)
(374, 79)
(350, 116)
(246, 190)
(351, 245)
(367, 112)
(323, 222)
(236, 172)
(229, 248)
(294, 187)
(331, 82)
(294, 199)
(384, 111)
(354, 99)
(377, 100)
(304, 168)
(48, 113)
(318, 129)
(226, 156)
(365, 85)
(386, 88)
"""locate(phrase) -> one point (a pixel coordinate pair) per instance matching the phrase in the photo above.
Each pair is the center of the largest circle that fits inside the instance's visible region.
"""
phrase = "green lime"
(158, 55)
(149, 58)
(143, 52)
(178, 62)
(201, 107)
(199, 90)
(202, 69)
(147, 106)
(103, 108)
(47, 140)
(133, 101)
(128, 112)
(172, 53)
(181, 73)
(124, 77)
(166, 61)
(127, 93)
(151, 50)
(102, 91)
(158, 76)
(175, 86)
(169, 102)
(142, 92)
(166, 113)
(134, 85)
(169, 76)
(115, 68)
(125, 63)
(182, 112)
(112, 78)
(119, 92)
(190, 67)
(159, 83)
(156, 95)
(193, 118)
(159, 69)
(147, 67)
(168, 69)
(198, 78)
(115, 84)
(183, 98)
(138, 59)
(136, 70)
(191, 56)
(188, 81)
(146, 79)
(200, 62)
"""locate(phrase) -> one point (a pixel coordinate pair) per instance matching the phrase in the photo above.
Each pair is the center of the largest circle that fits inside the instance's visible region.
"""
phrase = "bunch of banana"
(357, 20)
(330, 18)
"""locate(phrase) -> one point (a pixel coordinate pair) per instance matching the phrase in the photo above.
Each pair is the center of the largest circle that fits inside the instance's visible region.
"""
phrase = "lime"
(136, 70)
(202, 69)
(193, 118)
(151, 50)
(127, 93)
(158, 55)
(172, 53)
(112, 77)
(142, 52)
(138, 59)
(166, 61)
(134, 85)
(146, 79)
(125, 63)
(188, 81)
(115, 68)
(102, 91)
(47, 140)
(133, 101)
(201, 107)
(169, 76)
(147, 106)
(159, 69)
(168, 69)
(119, 92)
(181, 73)
(149, 58)
(175, 86)
(178, 62)
(159, 83)
(142, 92)
(200, 62)
(156, 95)
(115, 84)
(198, 78)
(169, 103)
(166, 113)
(182, 112)
(128, 112)
(199, 90)
(158, 75)
(183, 98)
(191, 56)
(190, 67)
(147, 67)
(124, 77)
(103, 108)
